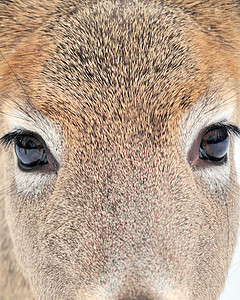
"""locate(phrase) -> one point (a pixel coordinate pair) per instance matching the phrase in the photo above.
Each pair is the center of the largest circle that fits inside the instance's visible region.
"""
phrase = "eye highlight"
(31, 151)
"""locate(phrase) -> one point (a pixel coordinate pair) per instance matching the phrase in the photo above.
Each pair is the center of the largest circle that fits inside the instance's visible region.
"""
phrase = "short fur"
(125, 216)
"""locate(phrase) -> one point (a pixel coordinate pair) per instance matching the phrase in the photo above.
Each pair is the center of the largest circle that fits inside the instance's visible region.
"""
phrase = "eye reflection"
(30, 152)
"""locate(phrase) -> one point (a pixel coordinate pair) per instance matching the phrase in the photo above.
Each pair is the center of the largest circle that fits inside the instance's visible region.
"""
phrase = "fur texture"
(121, 92)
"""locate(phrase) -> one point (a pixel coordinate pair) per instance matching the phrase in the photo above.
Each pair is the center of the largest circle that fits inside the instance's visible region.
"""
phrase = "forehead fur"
(130, 62)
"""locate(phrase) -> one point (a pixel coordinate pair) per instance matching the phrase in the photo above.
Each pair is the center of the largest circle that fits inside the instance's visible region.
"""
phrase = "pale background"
(232, 288)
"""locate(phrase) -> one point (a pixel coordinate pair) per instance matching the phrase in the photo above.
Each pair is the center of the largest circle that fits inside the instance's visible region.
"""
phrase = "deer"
(117, 125)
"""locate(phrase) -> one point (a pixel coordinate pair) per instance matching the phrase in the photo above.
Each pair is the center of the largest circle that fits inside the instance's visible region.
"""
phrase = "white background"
(232, 288)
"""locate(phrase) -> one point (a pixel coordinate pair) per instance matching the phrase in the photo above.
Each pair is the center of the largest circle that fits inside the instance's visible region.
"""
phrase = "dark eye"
(30, 152)
(214, 144)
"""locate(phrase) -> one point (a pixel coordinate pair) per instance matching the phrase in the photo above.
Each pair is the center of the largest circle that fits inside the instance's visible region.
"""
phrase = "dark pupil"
(30, 151)
(215, 144)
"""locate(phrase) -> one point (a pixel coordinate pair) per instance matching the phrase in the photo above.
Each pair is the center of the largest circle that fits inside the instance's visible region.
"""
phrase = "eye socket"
(211, 145)
(30, 152)
(214, 144)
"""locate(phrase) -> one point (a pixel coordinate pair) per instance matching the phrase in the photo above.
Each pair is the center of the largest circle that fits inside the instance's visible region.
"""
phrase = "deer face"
(119, 173)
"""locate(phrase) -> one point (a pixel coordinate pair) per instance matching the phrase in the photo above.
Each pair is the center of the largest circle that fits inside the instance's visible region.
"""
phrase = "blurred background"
(232, 287)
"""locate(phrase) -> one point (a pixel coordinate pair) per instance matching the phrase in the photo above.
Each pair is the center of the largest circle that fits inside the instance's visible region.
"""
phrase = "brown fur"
(125, 217)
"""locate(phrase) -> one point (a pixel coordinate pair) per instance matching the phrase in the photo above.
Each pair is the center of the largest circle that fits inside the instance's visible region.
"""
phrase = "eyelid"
(231, 128)
(10, 137)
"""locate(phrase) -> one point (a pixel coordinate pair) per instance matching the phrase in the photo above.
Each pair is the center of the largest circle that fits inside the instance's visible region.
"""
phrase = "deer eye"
(30, 152)
(214, 144)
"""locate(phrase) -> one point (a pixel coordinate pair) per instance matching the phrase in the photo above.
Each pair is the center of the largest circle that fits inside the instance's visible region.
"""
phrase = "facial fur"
(120, 93)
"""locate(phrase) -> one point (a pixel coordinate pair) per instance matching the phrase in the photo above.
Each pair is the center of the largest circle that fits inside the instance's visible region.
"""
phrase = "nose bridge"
(141, 175)
(129, 184)
(131, 187)
(124, 215)
(139, 194)
(132, 182)
(130, 176)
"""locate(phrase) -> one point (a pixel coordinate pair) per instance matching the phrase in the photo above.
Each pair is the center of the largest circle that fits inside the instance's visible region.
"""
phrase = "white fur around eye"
(34, 182)
(200, 116)
(50, 132)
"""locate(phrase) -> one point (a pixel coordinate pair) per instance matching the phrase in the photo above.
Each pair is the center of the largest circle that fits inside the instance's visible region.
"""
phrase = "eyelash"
(231, 129)
(8, 139)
